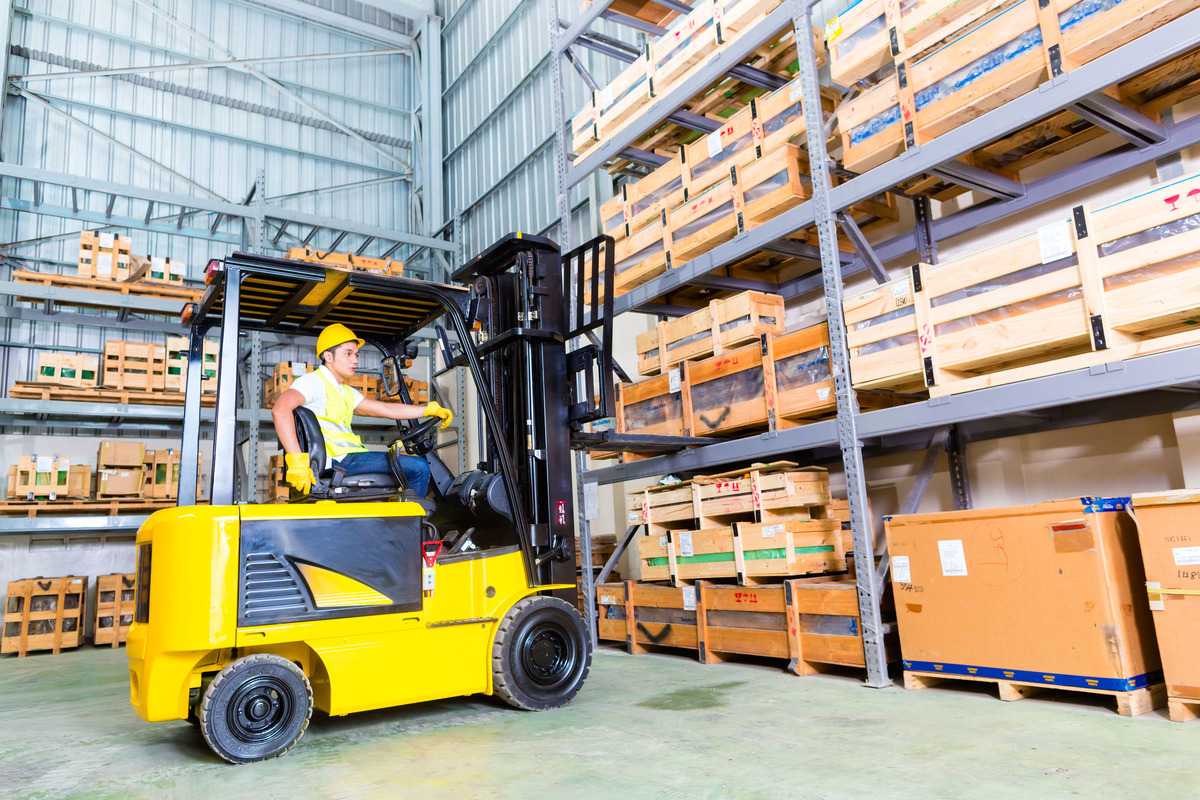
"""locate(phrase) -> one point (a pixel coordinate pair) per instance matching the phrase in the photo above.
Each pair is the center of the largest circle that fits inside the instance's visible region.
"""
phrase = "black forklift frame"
(222, 306)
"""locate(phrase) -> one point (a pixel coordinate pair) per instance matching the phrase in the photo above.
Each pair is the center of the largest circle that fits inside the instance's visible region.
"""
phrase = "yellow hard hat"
(334, 335)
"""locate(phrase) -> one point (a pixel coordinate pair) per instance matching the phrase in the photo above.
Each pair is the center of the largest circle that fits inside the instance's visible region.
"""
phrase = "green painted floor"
(643, 727)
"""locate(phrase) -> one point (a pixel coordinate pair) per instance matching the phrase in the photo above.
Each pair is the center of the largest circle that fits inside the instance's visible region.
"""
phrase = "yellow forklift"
(249, 617)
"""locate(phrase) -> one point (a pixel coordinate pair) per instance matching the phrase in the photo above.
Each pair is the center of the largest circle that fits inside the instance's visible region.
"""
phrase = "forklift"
(357, 597)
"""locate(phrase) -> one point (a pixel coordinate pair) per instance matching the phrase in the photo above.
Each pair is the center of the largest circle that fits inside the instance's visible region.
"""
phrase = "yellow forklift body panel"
(359, 661)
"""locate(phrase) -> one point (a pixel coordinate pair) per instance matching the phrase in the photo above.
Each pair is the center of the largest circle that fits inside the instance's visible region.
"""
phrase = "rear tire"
(256, 708)
(541, 654)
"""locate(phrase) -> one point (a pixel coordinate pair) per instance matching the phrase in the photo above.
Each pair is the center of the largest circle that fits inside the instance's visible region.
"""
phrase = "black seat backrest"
(310, 438)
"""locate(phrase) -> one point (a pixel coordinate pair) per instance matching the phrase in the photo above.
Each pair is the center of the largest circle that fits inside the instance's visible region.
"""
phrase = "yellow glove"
(442, 413)
(299, 472)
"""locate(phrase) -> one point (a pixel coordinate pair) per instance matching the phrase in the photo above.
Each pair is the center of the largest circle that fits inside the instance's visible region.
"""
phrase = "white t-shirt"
(312, 386)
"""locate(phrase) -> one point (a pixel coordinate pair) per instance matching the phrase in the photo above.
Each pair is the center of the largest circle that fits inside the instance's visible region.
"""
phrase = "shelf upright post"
(847, 402)
(559, 119)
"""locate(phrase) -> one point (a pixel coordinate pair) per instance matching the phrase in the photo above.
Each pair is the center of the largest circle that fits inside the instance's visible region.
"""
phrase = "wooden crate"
(747, 552)
(811, 622)
(283, 375)
(383, 266)
(162, 474)
(644, 10)
(103, 256)
(67, 369)
(49, 478)
(1110, 284)
(278, 489)
(418, 391)
(44, 614)
(1007, 56)
(653, 407)
(177, 364)
(114, 608)
(134, 365)
(367, 385)
(723, 325)
(166, 271)
(773, 492)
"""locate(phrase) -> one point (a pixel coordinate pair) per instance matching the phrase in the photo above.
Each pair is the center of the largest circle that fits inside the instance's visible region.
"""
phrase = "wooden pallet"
(29, 390)
(114, 608)
(136, 289)
(1129, 703)
(903, 117)
(44, 614)
(1183, 709)
(112, 507)
(811, 622)
(1023, 310)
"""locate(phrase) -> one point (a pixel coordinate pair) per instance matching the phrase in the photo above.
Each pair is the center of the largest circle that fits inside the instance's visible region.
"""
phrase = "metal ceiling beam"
(341, 22)
(93, 218)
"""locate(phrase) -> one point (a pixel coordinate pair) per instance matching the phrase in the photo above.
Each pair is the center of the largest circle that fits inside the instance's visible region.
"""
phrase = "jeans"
(415, 470)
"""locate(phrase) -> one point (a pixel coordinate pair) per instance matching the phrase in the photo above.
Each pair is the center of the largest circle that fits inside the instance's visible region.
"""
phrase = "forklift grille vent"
(270, 587)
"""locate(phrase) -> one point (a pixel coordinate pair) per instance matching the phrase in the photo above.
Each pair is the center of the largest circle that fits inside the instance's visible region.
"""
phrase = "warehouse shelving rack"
(1166, 382)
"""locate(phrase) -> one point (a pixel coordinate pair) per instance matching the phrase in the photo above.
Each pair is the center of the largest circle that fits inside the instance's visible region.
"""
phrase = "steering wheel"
(420, 438)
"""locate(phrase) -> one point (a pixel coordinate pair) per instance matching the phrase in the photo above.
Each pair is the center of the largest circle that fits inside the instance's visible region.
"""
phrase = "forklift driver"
(324, 392)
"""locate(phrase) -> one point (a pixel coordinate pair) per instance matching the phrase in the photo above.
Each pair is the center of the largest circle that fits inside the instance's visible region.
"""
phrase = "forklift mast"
(521, 332)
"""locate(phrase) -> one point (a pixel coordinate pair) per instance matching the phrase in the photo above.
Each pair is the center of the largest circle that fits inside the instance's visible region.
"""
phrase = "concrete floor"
(650, 726)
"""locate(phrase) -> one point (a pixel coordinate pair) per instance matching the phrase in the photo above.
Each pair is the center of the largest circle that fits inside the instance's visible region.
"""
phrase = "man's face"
(344, 359)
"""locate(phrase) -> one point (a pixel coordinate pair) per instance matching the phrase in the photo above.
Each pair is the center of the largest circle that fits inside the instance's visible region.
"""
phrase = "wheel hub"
(262, 707)
(547, 655)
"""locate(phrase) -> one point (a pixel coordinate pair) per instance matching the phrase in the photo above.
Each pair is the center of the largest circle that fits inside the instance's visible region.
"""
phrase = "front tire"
(541, 655)
(256, 708)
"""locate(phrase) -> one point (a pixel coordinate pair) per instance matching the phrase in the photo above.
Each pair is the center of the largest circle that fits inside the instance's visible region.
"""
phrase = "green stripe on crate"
(748, 555)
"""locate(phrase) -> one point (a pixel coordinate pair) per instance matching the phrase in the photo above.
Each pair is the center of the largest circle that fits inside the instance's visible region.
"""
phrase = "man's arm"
(285, 423)
(377, 408)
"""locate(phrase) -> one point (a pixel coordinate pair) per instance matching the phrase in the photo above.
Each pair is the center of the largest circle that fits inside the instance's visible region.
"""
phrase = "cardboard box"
(1169, 531)
(120, 482)
(1050, 594)
(119, 453)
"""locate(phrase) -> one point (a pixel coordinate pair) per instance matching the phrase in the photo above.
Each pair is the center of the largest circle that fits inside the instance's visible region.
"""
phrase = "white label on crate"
(689, 598)
(714, 144)
(900, 288)
(673, 381)
(634, 516)
(44, 464)
(1055, 241)
(591, 500)
(606, 97)
(158, 265)
(106, 240)
(954, 560)
(178, 268)
(795, 92)
(685, 544)
(1186, 556)
(1156, 601)
(608, 600)
(104, 264)
(769, 531)
(822, 394)
(900, 570)
(662, 542)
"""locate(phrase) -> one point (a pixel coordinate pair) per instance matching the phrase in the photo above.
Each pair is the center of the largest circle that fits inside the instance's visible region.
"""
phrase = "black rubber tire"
(541, 654)
(256, 708)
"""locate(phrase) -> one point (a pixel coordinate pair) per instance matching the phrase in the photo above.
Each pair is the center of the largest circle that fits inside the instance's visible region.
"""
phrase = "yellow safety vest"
(340, 439)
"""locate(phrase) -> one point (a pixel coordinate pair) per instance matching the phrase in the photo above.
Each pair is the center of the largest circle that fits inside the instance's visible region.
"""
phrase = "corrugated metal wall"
(211, 137)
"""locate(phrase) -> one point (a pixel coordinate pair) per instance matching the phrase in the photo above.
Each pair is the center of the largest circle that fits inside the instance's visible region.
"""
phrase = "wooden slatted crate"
(134, 365)
(811, 622)
(114, 608)
(278, 489)
(67, 369)
(283, 375)
(368, 385)
(103, 256)
(44, 614)
(723, 325)
(382, 266)
(177, 364)
(989, 64)
(1107, 285)
(49, 478)
(747, 552)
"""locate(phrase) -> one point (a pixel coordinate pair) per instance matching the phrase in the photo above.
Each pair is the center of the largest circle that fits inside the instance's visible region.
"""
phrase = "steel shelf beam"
(71, 524)
(719, 63)
(87, 297)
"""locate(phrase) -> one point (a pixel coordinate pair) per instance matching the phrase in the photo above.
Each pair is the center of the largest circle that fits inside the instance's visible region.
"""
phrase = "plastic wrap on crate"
(643, 204)
(803, 369)
(768, 185)
(653, 411)
(1008, 311)
(980, 67)
(886, 344)
(848, 44)
(717, 154)
(727, 390)
(703, 221)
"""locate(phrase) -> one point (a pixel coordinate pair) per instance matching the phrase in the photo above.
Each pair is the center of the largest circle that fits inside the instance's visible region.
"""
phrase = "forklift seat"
(333, 483)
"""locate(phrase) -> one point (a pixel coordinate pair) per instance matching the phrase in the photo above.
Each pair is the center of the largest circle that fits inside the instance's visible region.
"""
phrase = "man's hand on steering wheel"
(420, 438)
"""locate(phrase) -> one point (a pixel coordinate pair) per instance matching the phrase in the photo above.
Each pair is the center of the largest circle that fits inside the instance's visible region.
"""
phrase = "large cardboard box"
(1169, 532)
(120, 453)
(120, 482)
(1051, 593)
